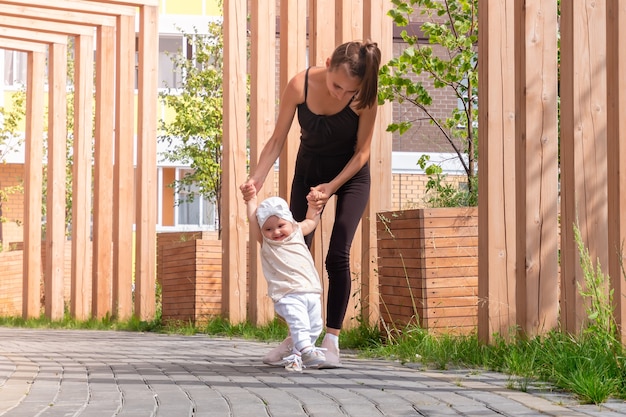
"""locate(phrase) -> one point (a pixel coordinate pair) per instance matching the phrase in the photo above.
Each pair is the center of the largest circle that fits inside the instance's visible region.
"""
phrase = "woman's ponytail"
(368, 94)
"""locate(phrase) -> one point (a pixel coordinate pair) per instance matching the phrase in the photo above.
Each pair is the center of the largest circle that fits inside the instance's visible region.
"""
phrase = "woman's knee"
(337, 260)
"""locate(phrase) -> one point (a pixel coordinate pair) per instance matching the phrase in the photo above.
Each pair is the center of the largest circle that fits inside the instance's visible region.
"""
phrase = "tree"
(9, 141)
(10, 120)
(194, 135)
(452, 27)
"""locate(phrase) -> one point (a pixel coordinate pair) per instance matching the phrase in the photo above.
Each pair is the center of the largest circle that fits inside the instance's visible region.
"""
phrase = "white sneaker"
(331, 352)
(313, 358)
(293, 363)
(276, 356)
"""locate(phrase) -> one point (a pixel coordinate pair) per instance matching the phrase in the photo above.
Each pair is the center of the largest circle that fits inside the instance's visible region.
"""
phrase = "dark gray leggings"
(352, 199)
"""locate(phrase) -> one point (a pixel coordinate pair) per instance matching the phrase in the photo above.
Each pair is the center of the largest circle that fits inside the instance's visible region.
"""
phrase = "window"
(14, 68)
(169, 46)
(192, 209)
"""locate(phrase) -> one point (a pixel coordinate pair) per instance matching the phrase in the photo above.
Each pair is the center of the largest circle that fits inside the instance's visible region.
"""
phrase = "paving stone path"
(52, 373)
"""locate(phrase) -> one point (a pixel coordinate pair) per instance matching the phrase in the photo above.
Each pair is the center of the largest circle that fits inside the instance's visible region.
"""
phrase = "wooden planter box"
(11, 277)
(428, 268)
(190, 273)
(11, 286)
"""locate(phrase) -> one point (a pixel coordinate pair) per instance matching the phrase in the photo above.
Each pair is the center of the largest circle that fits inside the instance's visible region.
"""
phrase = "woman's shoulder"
(310, 75)
(300, 79)
(366, 112)
(295, 86)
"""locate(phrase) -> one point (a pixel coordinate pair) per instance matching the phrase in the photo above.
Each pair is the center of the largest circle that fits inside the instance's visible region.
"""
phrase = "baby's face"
(276, 228)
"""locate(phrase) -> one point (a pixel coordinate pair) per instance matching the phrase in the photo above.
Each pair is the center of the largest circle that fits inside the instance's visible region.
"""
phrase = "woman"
(336, 107)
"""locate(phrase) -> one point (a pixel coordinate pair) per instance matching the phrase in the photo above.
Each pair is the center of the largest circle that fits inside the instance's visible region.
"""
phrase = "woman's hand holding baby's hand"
(317, 197)
(248, 191)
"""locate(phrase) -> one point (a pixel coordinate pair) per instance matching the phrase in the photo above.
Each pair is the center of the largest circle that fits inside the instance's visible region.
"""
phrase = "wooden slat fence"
(521, 199)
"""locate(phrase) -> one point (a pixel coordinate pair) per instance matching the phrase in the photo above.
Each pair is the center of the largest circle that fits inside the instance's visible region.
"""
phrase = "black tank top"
(326, 142)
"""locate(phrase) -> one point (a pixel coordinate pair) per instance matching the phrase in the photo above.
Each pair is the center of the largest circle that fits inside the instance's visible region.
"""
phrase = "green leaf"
(446, 61)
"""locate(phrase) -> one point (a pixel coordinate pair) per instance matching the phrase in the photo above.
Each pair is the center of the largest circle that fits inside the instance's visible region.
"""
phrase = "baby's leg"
(314, 303)
(293, 309)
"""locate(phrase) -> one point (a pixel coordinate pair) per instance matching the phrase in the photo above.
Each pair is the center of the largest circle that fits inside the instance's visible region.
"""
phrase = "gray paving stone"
(50, 373)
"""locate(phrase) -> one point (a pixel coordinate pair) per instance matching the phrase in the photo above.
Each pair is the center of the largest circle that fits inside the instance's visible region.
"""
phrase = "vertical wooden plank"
(497, 243)
(103, 173)
(616, 114)
(321, 38)
(537, 167)
(321, 47)
(234, 172)
(55, 204)
(293, 59)
(262, 120)
(348, 20)
(33, 181)
(378, 27)
(349, 25)
(583, 148)
(145, 262)
(570, 299)
(81, 176)
(123, 207)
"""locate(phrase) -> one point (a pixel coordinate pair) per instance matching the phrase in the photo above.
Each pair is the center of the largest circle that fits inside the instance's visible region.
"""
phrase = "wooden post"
(31, 294)
(537, 167)
(145, 262)
(262, 120)
(349, 20)
(583, 148)
(350, 27)
(292, 61)
(616, 113)
(497, 202)
(123, 195)
(55, 204)
(378, 27)
(321, 47)
(103, 172)
(321, 39)
(81, 176)
(234, 171)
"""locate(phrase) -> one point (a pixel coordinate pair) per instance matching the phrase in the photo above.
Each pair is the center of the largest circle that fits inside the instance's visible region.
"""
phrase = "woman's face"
(341, 85)
(276, 228)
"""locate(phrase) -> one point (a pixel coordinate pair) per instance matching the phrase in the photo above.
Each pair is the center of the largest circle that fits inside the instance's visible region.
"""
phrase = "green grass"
(275, 330)
(67, 322)
(585, 366)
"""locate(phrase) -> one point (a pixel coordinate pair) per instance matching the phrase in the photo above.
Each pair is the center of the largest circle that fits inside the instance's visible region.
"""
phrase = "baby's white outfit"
(294, 285)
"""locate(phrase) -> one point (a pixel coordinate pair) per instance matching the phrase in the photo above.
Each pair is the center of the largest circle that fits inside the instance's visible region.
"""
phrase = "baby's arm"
(312, 220)
(251, 206)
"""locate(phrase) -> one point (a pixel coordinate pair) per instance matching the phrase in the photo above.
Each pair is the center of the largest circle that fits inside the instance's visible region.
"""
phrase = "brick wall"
(12, 210)
(423, 136)
(11, 284)
(11, 279)
(408, 190)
